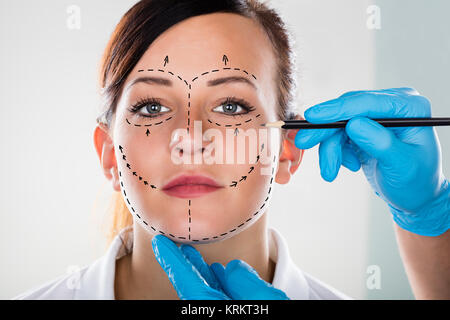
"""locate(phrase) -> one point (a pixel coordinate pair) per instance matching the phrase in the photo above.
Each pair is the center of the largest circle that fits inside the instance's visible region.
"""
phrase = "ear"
(105, 151)
(290, 157)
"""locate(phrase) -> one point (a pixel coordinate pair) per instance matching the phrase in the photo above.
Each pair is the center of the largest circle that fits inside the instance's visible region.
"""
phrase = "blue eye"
(152, 106)
(234, 107)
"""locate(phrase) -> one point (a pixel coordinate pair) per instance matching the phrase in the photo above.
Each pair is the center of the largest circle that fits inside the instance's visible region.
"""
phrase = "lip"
(190, 186)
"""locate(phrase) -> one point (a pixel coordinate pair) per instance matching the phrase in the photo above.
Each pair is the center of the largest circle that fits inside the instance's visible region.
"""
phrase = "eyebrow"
(219, 81)
(166, 82)
(151, 80)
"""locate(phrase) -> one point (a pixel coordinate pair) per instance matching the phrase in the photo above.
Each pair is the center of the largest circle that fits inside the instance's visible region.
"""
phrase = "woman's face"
(212, 76)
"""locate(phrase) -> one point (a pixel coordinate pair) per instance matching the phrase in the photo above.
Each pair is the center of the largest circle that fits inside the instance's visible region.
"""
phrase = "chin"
(198, 226)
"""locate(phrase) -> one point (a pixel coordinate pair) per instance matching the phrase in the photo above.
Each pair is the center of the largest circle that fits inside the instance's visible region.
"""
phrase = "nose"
(188, 142)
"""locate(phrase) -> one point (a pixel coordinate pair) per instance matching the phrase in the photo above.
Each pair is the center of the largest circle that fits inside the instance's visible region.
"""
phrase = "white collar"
(101, 274)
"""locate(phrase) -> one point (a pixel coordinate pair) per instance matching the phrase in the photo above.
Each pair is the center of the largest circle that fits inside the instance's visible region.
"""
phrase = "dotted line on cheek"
(244, 178)
(139, 217)
(253, 215)
(153, 187)
(124, 157)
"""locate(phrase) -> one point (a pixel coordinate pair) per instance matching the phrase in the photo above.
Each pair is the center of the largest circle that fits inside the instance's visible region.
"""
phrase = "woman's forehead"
(207, 42)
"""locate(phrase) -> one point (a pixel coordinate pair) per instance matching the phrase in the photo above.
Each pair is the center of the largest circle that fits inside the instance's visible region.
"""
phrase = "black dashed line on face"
(134, 173)
(165, 120)
(190, 216)
(249, 219)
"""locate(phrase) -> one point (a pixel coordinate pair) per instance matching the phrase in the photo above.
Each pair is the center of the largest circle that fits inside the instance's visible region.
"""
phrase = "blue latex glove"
(194, 279)
(402, 165)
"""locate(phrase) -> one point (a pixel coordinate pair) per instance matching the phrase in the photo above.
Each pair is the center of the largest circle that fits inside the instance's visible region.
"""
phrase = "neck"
(139, 275)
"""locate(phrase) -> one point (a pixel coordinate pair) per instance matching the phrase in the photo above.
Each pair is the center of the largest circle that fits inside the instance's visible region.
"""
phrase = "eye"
(151, 108)
(234, 107)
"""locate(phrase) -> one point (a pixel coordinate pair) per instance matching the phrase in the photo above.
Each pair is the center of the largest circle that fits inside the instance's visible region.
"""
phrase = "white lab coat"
(96, 281)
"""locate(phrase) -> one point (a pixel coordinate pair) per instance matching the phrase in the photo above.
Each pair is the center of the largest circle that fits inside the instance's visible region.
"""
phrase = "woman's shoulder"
(91, 282)
(62, 287)
(319, 290)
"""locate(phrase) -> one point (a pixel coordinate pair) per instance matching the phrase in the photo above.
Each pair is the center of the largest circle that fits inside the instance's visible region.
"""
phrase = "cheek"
(139, 156)
(231, 210)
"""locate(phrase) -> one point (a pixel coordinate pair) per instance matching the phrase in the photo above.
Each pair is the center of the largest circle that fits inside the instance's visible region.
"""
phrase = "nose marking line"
(189, 108)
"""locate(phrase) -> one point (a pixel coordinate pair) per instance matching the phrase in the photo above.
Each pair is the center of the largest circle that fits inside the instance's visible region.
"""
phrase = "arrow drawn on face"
(225, 59)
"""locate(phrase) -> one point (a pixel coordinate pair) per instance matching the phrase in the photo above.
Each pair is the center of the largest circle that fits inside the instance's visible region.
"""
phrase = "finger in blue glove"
(241, 282)
(199, 263)
(185, 278)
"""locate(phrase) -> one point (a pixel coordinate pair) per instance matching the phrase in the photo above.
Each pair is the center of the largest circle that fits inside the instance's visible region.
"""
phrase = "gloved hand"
(402, 164)
(194, 279)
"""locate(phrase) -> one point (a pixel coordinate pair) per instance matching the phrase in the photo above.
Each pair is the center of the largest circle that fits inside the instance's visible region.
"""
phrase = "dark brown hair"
(148, 19)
